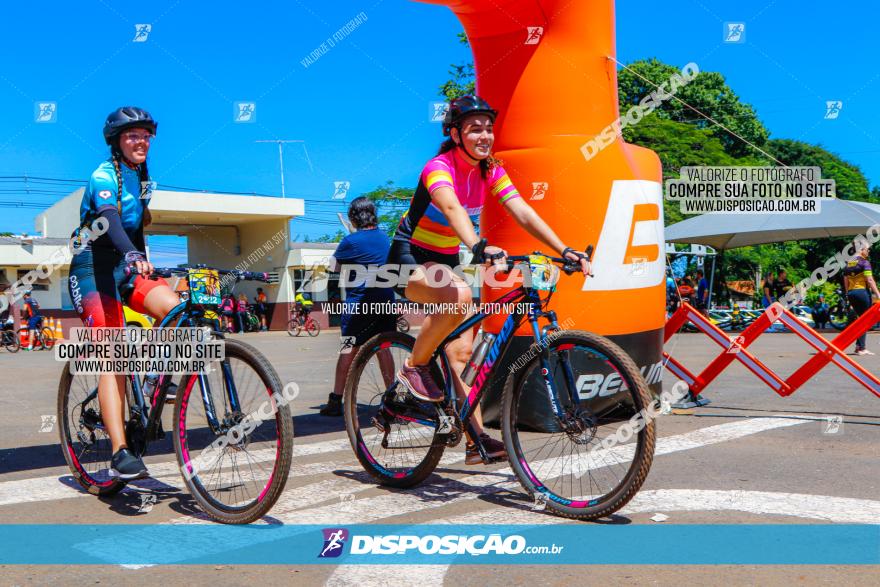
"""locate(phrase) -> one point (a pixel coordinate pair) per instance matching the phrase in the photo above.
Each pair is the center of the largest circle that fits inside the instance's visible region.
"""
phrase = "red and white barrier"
(736, 349)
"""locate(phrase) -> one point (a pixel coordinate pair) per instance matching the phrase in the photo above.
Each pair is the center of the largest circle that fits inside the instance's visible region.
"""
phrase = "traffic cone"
(59, 331)
(50, 323)
(23, 338)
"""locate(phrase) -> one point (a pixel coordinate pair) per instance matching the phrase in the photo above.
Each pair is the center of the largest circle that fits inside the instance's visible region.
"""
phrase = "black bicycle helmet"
(464, 106)
(125, 118)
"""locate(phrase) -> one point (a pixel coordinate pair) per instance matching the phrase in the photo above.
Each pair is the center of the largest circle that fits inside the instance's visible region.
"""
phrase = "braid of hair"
(116, 156)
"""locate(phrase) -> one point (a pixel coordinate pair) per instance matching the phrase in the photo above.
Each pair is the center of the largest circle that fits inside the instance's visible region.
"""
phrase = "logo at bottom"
(334, 541)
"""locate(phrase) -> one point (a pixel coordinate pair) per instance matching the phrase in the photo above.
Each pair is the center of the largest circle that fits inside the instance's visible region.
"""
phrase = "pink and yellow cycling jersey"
(425, 226)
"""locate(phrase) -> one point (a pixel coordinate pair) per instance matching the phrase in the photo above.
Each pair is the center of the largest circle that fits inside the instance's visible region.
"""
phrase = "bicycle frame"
(181, 316)
(497, 351)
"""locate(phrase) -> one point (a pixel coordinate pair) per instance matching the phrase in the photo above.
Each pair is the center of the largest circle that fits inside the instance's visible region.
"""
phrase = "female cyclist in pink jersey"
(443, 213)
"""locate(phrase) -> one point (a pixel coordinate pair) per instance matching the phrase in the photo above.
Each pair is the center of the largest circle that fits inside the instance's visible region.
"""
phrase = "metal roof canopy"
(729, 231)
(177, 210)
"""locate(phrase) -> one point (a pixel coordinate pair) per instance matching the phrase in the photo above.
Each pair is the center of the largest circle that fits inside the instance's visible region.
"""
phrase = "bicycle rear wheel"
(590, 462)
(11, 341)
(84, 440)
(395, 443)
(237, 470)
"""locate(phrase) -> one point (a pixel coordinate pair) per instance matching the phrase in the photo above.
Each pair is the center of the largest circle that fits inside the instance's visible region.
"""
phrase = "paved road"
(749, 457)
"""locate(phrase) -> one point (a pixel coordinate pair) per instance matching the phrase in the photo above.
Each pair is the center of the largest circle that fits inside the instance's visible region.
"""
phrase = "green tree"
(330, 238)
(462, 81)
(391, 202)
(678, 145)
(849, 180)
(708, 93)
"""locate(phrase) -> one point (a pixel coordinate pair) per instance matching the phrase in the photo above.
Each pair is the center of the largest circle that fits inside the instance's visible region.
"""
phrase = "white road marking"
(163, 476)
(441, 494)
(840, 510)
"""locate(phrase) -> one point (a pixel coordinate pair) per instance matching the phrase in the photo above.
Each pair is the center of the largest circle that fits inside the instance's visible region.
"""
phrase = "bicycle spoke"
(572, 460)
(407, 443)
(244, 466)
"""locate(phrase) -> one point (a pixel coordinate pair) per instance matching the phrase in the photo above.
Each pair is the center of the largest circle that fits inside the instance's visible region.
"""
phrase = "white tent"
(729, 231)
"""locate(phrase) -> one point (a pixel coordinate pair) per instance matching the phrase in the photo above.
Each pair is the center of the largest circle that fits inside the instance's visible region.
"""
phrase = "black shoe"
(333, 407)
(494, 450)
(126, 466)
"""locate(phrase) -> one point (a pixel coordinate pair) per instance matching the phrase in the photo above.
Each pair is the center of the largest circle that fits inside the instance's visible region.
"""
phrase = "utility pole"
(280, 143)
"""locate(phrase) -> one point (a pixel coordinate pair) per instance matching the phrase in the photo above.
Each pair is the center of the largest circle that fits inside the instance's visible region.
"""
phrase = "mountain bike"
(44, 338)
(842, 313)
(587, 384)
(247, 470)
(9, 338)
(299, 322)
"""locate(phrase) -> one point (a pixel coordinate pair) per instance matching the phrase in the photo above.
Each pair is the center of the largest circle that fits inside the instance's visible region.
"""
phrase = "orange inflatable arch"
(546, 66)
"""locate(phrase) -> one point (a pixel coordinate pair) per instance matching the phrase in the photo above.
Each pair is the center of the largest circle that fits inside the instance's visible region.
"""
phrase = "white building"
(223, 231)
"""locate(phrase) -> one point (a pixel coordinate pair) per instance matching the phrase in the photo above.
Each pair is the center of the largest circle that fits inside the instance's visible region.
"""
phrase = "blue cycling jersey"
(101, 194)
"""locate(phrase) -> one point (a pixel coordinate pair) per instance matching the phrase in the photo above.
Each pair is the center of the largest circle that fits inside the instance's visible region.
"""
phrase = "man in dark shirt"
(782, 285)
(31, 311)
(702, 292)
(362, 316)
(768, 288)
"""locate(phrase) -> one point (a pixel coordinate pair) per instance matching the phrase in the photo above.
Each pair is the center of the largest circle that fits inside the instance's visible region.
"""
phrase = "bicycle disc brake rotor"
(580, 425)
(240, 440)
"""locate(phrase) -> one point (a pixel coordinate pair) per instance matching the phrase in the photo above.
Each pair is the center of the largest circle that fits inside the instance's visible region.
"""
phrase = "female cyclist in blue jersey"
(443, 213)
(119, 191)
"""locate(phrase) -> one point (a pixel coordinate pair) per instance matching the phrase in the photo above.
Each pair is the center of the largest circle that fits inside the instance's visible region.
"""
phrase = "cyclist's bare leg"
(343, 364)
(160, 300)
(437, 326)
(111, 397)
(459, 351)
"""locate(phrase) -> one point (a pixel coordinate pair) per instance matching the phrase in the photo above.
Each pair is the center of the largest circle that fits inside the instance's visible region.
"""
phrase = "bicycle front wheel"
(588, 459)
(48, 337)
(235, 459)
(395, 442)
(312, 327)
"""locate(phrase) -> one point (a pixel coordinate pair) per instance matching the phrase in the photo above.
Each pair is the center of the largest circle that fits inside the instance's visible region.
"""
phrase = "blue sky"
(362, 108)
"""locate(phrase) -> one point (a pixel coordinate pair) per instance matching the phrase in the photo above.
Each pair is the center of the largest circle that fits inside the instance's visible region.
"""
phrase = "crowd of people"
(693, 289)
(235, 313)
(858, 288)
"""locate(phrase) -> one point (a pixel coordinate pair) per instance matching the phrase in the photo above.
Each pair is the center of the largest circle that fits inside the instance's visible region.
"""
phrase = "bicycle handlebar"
(568, 267)
(170, 271)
